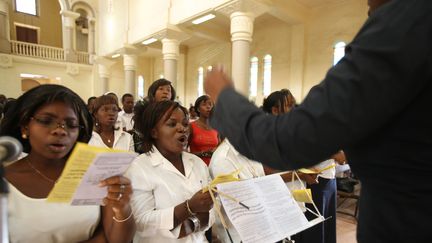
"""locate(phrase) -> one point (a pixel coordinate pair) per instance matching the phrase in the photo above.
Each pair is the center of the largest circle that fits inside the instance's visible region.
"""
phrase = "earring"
(24, 136)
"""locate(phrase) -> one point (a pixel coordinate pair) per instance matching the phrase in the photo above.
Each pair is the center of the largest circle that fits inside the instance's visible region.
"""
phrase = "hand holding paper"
(118, 195)
(86, 167)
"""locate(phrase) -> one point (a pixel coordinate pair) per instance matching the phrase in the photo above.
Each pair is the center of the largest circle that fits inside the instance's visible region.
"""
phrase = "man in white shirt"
(127, 113)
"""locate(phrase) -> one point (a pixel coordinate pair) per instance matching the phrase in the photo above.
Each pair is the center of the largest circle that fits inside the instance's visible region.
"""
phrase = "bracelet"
(196, 223)
(123, 220)
(188, 209)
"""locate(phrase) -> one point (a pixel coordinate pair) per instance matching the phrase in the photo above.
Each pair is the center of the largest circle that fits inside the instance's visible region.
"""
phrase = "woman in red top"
(203, 139)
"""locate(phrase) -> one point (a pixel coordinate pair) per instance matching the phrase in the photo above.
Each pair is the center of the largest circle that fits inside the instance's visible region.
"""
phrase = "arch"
(64, 5)
(85, 6)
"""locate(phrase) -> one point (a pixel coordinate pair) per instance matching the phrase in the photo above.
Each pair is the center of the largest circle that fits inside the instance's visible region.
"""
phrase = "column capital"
(70, 14)
(130, 62)
(104, 65)
(91, 20)
(103, 71)
(254, 7)
(170, 48)
(69, 18)
(241, 26)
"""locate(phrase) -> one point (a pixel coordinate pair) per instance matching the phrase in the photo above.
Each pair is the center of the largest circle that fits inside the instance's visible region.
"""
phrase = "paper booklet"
(85, 168)
(273, 213)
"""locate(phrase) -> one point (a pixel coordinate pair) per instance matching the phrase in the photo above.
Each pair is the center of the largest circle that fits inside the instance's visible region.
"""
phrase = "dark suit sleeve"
(384, 69)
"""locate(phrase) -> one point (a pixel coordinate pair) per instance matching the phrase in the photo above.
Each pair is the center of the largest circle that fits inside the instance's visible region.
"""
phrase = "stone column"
(241, 37)
(69, 18)
(4, 27)
(91, 36)
(170, 51)
(104, 75)
(130, 66)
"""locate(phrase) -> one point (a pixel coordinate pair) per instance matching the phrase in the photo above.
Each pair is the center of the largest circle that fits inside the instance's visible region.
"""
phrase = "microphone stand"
(4, 190)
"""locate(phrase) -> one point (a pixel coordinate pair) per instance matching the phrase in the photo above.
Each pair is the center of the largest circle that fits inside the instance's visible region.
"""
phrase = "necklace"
(40, 173)
(108, 139)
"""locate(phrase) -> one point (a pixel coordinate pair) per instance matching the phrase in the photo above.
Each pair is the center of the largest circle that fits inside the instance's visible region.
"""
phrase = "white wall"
(327, 26)
(273, 37)
(10, 80)
(113, 24)
(204, 55)
(149, 14)
(186, 9)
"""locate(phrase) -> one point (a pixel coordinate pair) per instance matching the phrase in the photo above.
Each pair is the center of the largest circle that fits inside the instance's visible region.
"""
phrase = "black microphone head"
(10, 148)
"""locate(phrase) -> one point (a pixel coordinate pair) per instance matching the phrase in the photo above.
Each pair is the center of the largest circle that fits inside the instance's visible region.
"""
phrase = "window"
(253, 82)
(200, 81)
(267, 74)
(26, 6)
(141, 86)
(26, 34)
(339, 52)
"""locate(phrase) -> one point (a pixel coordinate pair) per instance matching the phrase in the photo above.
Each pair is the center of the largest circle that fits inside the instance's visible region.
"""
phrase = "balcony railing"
(45, 52)
(82, 57)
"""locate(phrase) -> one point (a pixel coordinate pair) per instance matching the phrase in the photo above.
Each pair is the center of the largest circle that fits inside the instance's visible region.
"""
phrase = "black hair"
(147, 115)
(292, 102)
(90, 99)
(104, 100)
(126, 95)
(9, 103)
(155, 85)
(21, 111)
(199, 100)
(276, 98)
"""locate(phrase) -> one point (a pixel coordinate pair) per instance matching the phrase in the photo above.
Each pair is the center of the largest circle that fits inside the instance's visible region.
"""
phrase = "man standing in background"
(127, 113)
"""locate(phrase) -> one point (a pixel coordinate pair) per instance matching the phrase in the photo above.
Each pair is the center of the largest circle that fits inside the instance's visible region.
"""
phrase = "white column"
(4, 27)
(69, 18)
(170, 51)
(130, 66)
(241, 37)
(104, 75)
(91, 36)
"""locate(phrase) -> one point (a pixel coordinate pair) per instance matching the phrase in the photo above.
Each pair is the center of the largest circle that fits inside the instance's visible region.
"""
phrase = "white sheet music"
(273, 213)
(104, 166)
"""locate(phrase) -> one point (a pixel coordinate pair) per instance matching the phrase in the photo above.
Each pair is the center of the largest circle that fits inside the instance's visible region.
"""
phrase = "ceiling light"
(203, 19)
(115, 55)
(149, 41)
(28, 75)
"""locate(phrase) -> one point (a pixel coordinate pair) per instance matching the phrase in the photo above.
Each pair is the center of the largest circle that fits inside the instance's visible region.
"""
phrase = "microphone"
(10, 148)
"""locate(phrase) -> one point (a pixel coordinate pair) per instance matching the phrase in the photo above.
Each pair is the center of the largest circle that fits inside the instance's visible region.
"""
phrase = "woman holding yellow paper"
(168, 202)
(48, 120)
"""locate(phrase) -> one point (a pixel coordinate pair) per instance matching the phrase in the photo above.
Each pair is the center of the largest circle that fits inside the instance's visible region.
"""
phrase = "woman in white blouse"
(105, 134)
(167, 200)
(48, 121)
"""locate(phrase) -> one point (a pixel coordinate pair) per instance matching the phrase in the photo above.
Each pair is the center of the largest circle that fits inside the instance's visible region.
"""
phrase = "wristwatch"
(196, 223)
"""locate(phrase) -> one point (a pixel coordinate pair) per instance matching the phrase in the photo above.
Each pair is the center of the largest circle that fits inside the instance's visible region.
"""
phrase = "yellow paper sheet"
(303, 195)
(309, 171)
(76, 166)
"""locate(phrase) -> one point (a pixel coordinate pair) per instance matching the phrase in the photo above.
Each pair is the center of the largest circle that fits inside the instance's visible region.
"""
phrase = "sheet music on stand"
(273, 213)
